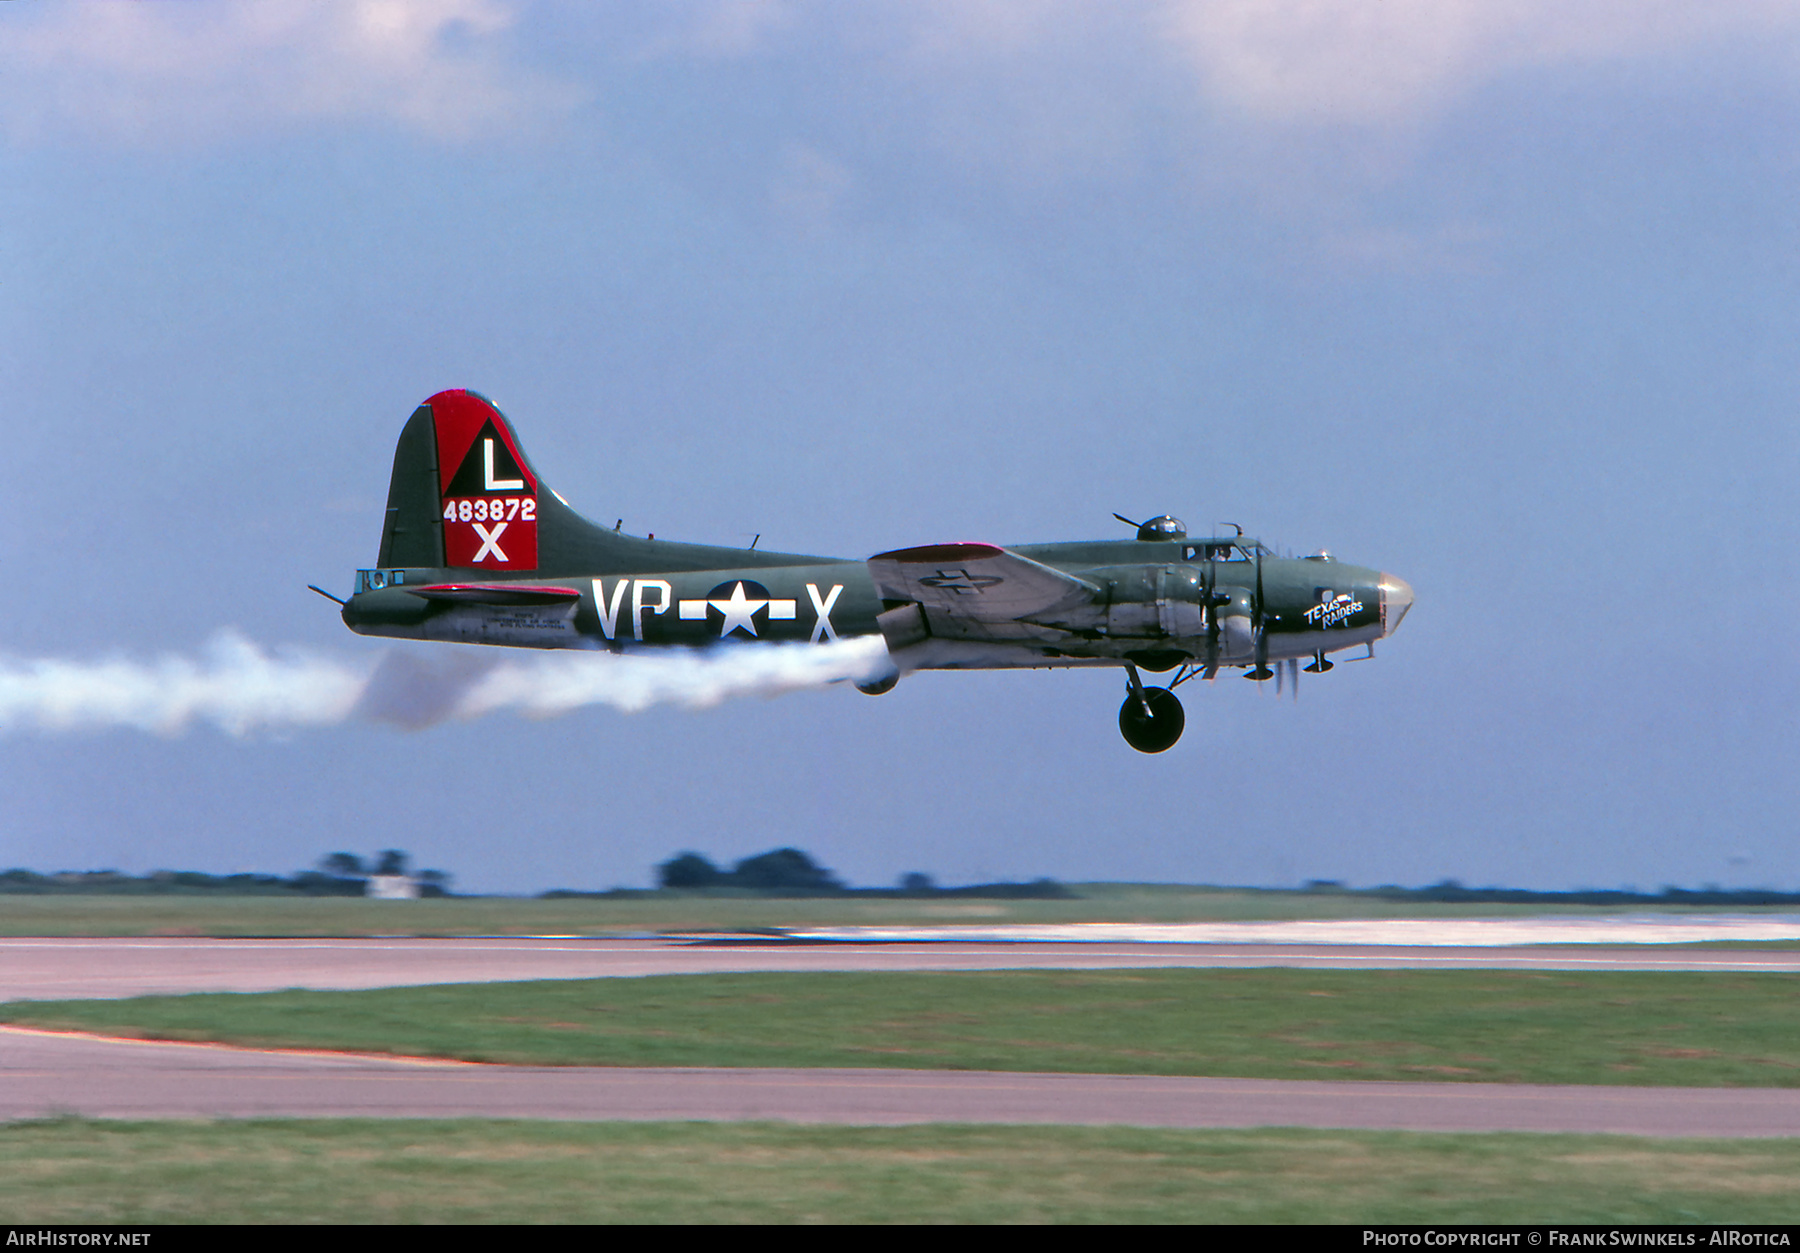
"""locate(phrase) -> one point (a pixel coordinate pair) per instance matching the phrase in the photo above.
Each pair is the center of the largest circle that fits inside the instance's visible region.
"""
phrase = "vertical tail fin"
(462, 495)
(465, 498)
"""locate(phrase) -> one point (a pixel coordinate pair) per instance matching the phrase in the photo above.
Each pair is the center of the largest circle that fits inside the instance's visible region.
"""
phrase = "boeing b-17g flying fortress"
(477, 550)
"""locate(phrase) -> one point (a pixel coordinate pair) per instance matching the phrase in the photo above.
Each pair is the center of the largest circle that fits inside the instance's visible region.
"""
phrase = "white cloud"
(734, 28)
(1458, 246)
(147, 72)
(1292, 61)
(1390, 61)
(172, 73)
(1290, 97)
(808, 187)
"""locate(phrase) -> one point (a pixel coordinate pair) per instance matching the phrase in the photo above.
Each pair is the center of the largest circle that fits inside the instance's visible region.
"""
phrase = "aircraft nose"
(1396, 599)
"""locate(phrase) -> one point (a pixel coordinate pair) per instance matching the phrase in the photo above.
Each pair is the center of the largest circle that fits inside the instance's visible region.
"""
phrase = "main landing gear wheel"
(1158, 731)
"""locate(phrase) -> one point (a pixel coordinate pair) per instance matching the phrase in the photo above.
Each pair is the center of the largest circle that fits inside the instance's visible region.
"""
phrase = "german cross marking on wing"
(960, 581)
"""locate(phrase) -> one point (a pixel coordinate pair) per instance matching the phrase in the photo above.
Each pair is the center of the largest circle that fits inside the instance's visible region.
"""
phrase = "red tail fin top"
(488, 494)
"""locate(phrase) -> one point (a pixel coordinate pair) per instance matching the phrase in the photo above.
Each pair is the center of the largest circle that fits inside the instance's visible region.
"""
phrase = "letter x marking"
(490, 543)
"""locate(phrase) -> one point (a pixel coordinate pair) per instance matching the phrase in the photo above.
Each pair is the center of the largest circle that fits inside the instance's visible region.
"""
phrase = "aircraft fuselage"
(1152, 611)
(477, 550)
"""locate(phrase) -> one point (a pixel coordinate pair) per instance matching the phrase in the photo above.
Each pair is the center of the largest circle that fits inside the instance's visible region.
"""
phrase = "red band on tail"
(488, 494)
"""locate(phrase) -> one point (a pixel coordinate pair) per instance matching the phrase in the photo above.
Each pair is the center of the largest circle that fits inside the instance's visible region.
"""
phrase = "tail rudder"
(463, 495)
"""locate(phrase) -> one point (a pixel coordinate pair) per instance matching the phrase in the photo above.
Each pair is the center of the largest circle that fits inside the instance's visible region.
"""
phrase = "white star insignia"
(739, 611)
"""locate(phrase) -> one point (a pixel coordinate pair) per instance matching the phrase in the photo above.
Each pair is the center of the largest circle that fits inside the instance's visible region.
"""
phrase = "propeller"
(1262, 671)
(1292, 666)
(1208, 582)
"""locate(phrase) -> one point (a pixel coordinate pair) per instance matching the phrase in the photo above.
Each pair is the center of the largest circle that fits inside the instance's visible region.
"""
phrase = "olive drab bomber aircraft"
(477, 550)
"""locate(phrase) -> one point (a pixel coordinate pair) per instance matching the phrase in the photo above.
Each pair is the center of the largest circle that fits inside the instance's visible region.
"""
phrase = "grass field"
(1660, 1028)
(368, 1171)
(96, 915)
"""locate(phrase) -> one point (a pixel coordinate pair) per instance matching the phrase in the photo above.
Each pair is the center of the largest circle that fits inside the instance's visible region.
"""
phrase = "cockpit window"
(375, 580)
(1216, 552)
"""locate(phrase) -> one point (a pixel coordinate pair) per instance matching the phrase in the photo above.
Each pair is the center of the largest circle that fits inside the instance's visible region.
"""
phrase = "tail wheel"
(1158, 731)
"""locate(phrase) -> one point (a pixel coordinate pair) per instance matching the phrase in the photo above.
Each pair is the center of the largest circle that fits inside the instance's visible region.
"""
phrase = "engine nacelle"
(1179, 608)
(1156, 603)
(1237, 630)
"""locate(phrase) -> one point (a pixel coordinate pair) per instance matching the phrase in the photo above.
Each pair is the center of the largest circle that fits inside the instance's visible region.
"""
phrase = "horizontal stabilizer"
(497, 593)
(977, 583)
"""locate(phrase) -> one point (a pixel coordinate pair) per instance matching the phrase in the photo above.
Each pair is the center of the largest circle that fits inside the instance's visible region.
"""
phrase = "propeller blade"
(1212, 623)
(1293, 669)
(1262, 671)
(1256, 608)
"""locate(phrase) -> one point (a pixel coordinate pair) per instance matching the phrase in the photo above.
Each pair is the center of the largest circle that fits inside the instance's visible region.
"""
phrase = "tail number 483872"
(500, 509)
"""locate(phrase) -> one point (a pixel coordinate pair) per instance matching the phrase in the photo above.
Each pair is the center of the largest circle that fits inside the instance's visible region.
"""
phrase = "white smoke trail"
(234, 684)
(555, 683)
(241, 688)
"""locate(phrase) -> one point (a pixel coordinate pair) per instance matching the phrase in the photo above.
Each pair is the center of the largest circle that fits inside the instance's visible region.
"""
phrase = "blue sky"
(1497, 296)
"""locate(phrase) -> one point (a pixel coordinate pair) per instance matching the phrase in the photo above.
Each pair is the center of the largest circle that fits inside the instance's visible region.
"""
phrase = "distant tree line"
(1450, 892)
(18, 882)
(340, 874)
(390, 861)
(782, 869)
(791, 872)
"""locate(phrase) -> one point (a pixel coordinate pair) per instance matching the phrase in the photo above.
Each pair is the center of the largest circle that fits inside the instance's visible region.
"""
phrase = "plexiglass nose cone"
(1396, 599)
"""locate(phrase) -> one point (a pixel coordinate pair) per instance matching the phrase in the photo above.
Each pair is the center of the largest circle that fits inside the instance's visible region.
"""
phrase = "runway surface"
(56, 969)
(1643, 928)
(42, 1074)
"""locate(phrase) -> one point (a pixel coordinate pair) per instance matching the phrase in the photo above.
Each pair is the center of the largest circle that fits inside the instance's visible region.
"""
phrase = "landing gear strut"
(1151, 719)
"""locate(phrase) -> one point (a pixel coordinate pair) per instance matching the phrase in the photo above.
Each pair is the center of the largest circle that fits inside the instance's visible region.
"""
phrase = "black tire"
(1161, 729)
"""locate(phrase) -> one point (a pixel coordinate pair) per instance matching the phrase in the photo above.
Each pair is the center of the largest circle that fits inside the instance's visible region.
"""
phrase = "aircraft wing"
(978, 589)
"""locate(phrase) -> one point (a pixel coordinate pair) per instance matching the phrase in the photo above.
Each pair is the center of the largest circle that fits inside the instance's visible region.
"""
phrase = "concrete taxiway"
(57, 969)
(44, 1074)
